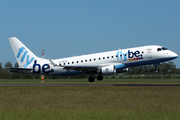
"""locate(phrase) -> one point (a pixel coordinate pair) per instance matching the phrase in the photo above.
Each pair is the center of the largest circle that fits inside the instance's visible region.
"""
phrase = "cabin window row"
(87, 60)
(95, 59)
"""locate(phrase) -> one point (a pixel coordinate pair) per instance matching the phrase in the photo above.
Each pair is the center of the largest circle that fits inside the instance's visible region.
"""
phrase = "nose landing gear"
(157, 71)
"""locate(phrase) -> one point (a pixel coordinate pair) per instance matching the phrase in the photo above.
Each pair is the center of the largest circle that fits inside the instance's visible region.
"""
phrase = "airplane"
(104, 63)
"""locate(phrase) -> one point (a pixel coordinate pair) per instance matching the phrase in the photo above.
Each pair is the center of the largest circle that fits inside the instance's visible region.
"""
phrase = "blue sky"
(66, 28)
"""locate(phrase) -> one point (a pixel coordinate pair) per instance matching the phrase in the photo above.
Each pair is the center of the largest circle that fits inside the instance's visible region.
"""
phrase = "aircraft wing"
(84, 69)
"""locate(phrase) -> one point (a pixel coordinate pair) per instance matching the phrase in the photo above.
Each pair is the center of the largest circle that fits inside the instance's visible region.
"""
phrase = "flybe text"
(25, 55)
(130, 55)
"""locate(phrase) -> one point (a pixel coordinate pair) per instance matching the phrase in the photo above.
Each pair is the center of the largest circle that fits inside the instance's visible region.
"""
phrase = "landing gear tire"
(157, 71)
(91, 79)
(100, 77)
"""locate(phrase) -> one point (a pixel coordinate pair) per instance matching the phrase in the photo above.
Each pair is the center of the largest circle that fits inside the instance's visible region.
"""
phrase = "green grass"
(93, 102)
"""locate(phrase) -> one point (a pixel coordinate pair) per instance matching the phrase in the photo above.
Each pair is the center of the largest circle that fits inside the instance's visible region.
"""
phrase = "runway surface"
(89, 84)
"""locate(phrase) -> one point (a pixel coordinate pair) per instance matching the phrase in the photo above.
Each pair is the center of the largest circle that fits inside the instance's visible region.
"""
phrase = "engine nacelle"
(122, 71)
(108, 70)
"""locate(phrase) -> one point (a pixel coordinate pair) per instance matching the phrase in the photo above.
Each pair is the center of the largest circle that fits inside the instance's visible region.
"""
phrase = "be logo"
(25, 54)
(134, 55)
(131, 55)
(45, 68)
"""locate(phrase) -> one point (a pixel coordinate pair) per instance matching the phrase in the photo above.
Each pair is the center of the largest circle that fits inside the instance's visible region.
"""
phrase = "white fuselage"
(120, 59)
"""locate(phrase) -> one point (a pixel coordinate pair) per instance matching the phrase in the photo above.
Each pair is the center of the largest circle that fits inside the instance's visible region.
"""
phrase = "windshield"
(164, 48)
(161, 49)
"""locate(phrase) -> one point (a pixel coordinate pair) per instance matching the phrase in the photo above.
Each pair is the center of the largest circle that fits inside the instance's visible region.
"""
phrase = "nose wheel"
(157, 71)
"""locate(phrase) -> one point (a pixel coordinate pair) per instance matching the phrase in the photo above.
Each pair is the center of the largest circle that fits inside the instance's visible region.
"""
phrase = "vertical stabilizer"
(22, 54)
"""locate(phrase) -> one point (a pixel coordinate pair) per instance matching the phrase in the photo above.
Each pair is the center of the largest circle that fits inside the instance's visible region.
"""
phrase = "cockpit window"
(164, 48)
(159, 49)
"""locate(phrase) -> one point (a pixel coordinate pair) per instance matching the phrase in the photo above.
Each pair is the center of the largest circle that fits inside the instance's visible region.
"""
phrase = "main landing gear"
(92, 79)
(99, 77)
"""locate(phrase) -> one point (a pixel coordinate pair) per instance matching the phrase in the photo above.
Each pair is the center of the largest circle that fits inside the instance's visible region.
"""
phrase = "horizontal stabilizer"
(18, 69)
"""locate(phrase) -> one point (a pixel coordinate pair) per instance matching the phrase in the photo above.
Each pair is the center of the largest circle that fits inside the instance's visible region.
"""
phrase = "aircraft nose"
(174, 55)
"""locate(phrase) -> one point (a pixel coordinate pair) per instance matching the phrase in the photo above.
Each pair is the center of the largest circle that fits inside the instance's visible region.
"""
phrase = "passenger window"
(99, 58)
(103, 57)
(76, 61)
(108, 57)
(94, 59)
(68, 62)
(89, 59)
(111, 56)
(64, 63)
(85, 60)
(72, 62)
(81, 60)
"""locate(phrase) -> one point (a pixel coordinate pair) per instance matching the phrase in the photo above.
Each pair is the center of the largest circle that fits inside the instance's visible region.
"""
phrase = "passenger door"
(149, 53)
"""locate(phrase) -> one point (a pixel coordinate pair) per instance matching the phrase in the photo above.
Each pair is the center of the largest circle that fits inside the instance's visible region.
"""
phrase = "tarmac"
(90, 84)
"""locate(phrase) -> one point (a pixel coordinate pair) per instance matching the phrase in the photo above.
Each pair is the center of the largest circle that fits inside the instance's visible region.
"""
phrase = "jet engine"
(107, 70)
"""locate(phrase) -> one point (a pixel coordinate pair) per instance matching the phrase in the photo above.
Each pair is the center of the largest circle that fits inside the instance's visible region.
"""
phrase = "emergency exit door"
(149, 53)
